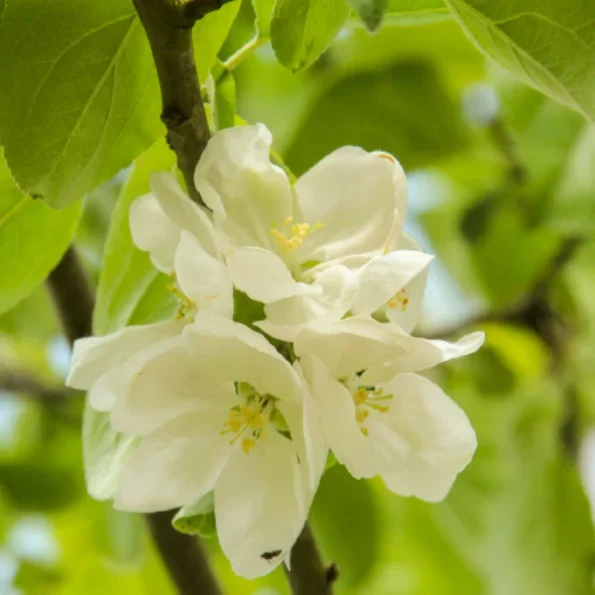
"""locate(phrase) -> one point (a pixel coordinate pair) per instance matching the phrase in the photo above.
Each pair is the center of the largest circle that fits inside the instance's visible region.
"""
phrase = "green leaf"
(345, 520)
(196, 518)
(85, 103)
(510, 257)
(407, 99)
(209, 33)
(127, 274)
(543, 42)
(302, 29)
(370, 12)
(33, 238)
(263, 10)
(415, 12)
(82, 104)
(38, 486)
(573, 208)
(224, 97)
(104, 451)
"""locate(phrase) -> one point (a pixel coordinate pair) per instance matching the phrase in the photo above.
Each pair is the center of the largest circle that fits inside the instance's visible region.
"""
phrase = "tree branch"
(23, 383)
(181, 554)
(308, 575)
(184, 557)
(72, 296)
(168, 25)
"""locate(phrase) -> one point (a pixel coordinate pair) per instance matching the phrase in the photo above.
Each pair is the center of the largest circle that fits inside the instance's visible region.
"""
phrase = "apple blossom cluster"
(239, 411)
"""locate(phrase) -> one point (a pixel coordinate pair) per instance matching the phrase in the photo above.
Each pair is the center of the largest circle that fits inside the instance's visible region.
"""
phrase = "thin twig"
(308, 575)
(532, 311)
(72, 296)
(25, 384)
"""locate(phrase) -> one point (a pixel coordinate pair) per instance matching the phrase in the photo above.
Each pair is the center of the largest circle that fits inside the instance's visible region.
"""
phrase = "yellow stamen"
(399, 300)
(359, 396)
(361, 415)
(295, 236)
(248, 444)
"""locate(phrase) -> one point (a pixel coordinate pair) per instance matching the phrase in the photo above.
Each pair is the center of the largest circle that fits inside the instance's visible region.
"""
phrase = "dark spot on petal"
(270, 556)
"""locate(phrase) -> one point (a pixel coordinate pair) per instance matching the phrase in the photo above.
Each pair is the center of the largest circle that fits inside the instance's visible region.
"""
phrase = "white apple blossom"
(377, 415)
(294, 246)
(214, 410)
(222, 411)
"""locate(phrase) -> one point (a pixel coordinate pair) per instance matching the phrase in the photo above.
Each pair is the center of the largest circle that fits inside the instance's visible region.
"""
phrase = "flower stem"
(244, 52)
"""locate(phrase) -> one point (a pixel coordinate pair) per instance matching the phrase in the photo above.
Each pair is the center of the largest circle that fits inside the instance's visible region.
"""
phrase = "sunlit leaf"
(33, 238)
(541, 41)
(302, 29)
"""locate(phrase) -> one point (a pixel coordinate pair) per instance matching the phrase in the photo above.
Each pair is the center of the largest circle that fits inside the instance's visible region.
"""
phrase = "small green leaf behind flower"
(370, 12)
(197, 518)
(301, 30)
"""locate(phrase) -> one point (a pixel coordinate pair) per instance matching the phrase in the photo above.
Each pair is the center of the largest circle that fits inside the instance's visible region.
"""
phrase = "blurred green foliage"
(502, 189)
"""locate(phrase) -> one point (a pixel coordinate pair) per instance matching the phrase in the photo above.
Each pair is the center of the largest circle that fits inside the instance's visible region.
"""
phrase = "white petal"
(184, 213)
(257, 509)
(153, 231)
(203, 279)
(167, 386)
(237, 181)
(356, 196)
(423, 354)
(385, 275)
(231, 352)
(306, 433)
(285, 318)
(176, 465)
(440, 438)
(408, 318)
(351, 345)
(116, 382)
(264, 276)
(94, 356)
(336, 410)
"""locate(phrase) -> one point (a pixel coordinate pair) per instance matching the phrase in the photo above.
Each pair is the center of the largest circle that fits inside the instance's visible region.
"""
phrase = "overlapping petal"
(264, 276)
(94, 356)
(351, 345)
(336, 410)
(373, 186)
(439, 438)
(422, 354)
(247, 193)
(258, 506)
(231, 352)
(167, 386)
(179, 463)
(203, 279)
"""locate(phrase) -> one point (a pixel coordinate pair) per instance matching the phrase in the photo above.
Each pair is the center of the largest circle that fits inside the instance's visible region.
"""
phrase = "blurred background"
(502, 189)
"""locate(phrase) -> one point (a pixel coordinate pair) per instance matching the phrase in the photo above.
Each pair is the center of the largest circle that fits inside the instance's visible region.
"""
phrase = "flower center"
(399, 301)
(292, 235)
(187, 309)
(367, 399)
(249, 421)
